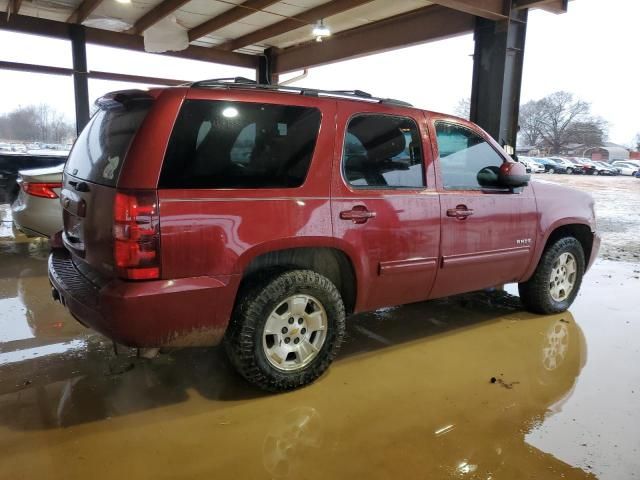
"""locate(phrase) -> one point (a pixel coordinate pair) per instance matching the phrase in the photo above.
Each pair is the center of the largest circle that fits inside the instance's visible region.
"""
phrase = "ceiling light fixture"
(320, 31)
(123, 1)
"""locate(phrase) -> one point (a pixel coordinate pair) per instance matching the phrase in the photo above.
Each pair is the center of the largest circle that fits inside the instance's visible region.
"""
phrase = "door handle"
(358, 214)
(460, 212)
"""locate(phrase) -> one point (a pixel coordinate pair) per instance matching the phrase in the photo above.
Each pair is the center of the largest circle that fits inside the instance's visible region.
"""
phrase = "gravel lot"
(617, 208)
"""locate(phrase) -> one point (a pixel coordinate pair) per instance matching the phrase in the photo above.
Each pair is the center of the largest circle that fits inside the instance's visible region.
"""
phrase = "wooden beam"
(227, 18)
(51, 28)
(98, 75)
(490, 9)
(85, 9)
(418, 26)
(308, 17)
(13, 7)
(553, 6)
(156, 14)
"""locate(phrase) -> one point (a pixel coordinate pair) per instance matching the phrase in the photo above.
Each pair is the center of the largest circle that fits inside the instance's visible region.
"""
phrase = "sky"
(591, 51)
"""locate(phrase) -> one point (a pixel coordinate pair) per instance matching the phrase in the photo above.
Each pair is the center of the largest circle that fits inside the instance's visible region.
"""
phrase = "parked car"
(580, 166)
(174, 236)
(551, 166)
(603, 168)
(37, 210)
(531, 165)
(570, 166)
(12, 162)
(626, 168)
(632, 162)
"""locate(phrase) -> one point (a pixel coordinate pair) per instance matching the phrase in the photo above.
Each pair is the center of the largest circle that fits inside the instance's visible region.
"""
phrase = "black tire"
(244, 337)
(569, 170)
(551, 170)
(535, 293)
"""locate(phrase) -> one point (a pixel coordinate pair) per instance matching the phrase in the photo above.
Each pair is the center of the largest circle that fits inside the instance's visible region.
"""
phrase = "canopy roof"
(238, 32)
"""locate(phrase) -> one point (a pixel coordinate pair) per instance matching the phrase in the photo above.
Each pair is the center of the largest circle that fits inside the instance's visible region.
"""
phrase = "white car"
(632, 162)
(626, 168)
(37, 210)
(531, 164)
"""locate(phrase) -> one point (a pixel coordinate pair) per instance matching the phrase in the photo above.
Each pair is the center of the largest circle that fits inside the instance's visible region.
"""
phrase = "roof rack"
(242, 82)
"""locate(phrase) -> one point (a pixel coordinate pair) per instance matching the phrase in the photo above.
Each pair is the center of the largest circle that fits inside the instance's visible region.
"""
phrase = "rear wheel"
(286, 330)
(552, 170)
(557, 279)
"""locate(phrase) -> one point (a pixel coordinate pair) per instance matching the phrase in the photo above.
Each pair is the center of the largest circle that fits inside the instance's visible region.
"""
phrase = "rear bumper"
(161, 313)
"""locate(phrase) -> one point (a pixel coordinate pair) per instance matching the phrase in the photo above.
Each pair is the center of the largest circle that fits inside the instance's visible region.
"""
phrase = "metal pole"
(497, 76)
(80, 77)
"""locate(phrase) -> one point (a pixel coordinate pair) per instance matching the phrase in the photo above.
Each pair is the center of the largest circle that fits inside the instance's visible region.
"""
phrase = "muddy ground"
(617, 210)
(468, 387)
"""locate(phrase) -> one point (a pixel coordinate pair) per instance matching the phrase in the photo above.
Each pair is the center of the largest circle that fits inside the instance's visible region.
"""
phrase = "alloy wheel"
(563, 277)
(294, 332)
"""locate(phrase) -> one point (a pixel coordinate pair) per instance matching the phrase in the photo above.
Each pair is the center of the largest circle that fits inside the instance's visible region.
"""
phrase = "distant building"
(608, 152)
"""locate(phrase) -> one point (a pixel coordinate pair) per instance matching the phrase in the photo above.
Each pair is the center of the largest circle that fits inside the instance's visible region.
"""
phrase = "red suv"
(262, 216)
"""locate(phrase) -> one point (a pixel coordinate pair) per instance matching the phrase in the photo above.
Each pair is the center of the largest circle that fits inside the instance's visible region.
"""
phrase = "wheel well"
(577, 230)
(330, 262)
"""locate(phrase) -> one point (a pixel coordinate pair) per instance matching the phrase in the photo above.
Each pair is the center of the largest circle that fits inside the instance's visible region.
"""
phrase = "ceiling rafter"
(411, 28)
(83, 11)
(307, 17)
(490, 9)
(157, 13)
(227, 18)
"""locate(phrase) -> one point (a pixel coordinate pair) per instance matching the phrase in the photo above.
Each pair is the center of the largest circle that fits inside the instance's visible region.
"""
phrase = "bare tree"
(36, 123)
(530, 122)
(559, 119)
(463, 108)
(559, 111)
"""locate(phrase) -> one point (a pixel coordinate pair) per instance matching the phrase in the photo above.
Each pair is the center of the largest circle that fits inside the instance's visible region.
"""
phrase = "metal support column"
(497, 76)
(80, 77)
(265, 68)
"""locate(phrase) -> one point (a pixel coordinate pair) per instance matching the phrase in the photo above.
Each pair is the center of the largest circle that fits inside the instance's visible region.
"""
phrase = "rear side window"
(383, 151)
(218, 144)
(467, 161)
(99, 151)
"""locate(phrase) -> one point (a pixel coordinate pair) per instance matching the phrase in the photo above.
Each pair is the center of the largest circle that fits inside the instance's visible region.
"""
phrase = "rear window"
(99, 152)
(218, 144)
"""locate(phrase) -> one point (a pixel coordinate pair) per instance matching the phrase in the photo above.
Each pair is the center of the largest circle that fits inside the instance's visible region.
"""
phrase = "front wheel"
(569, 170)
(557, 279)
(286, 330)
(552, 170)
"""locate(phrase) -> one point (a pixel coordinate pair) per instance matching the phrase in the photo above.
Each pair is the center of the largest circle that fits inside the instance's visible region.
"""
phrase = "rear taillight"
(42, 190)
(136, 235)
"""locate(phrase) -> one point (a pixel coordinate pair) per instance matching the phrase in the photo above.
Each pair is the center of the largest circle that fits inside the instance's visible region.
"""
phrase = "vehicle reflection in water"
(411, 394)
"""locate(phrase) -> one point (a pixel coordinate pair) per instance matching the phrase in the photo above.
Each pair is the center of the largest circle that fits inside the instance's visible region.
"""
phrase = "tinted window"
(382, 151)
(99, 152)
(467, 161)
(217, 144)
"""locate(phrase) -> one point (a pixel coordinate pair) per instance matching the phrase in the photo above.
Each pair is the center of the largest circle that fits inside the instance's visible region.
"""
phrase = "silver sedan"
(37, 210)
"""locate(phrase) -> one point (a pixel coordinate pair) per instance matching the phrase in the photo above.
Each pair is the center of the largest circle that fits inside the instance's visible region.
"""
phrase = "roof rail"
(242, 82)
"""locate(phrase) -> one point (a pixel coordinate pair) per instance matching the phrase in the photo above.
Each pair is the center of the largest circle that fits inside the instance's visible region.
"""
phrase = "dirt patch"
(617, 211)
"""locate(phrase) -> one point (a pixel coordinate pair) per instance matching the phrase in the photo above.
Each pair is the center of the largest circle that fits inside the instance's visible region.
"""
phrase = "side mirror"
(513, 175)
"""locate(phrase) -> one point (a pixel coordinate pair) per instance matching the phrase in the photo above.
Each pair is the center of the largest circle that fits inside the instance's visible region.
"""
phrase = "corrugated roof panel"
(367, 13)
(125, 12)
(197, 12)
(60, 10)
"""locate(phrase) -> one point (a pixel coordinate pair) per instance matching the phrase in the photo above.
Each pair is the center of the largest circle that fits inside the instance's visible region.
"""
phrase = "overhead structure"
(276, 36)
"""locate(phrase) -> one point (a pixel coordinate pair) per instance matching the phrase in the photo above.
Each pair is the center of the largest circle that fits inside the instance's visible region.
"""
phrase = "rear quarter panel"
(219, 231)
